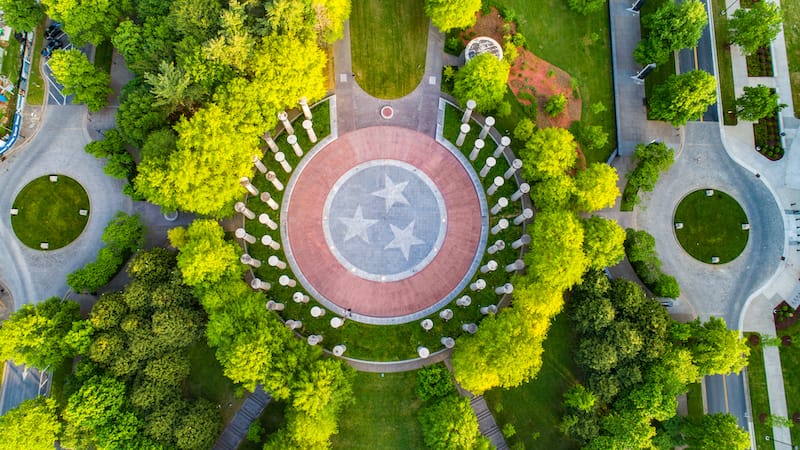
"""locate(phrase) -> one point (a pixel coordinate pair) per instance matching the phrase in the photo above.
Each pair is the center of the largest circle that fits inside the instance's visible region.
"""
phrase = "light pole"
(725, 11)
(770, 438)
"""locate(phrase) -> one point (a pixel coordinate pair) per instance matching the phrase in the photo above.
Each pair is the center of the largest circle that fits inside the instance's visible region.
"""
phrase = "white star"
(403, 239)
(393, 193)
(357, 226)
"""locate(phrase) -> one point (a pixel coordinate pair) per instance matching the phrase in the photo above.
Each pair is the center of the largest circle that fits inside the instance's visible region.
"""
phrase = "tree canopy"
(36, 334)
(80, 77)
(22, 15)
(757, 103)
(205, 257)
(482, 79)
(548, 153)
(683, 97)
(32, 425)
(672, 27)
(755, 27)
(449, 14)
(86, 20)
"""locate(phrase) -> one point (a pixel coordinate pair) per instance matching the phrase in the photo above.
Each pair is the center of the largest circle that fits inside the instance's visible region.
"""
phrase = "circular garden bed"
(712, 228)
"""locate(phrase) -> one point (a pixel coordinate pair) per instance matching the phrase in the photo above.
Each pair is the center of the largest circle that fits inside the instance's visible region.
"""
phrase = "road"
(725, 394)
(701, 57)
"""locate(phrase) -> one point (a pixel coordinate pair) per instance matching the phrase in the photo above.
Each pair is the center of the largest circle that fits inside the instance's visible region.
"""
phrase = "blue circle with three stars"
(384, 220)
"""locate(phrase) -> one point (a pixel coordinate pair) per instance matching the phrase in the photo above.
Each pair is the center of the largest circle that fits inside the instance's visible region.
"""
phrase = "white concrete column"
(463, 130)
(504, 289)
(336, 322)
(259, 165)
(488, 123)
(515, 166)
(245, 182)
(426, 324)
(240, 233)
(317, 312)
(502, 202)
(448, 342)
(293, 324)
(490, 266)
(284, 280)
(446, 314)
(490, 162)
(281, 159)
(524, 188)
(269, 242)
(292, 140)
(275, 262)
(267, 198)
(273, 178)
(309, 127)
(478, 285)
(264, 218)
(258, 284)
(338, 350)
(471, 104)
(515, 266)
(505, 141)
(242, 209)
(464, 301)
(496, 247)
(476, 149)
(304, 106)
(270, 142)
(250, 261)
(501, 225)
(299, 297)
(470, 328)
(314, 339)
(275, 306)
(523, 240)
(423, 352)
(527, 214)
(498, 181)
(284, 118)
(486, 310)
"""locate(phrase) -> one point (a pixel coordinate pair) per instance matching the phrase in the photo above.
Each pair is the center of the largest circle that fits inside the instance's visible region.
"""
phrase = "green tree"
(152, 267)
(672, 27)
(755, 27)
(603, 242)
(757, 103)
(482, 79)
(80, 77)
(145, 45)
(586, 7)
(715, 349)
(524, 129)
(22, 15)
(124, 234)
(199, 427)
(138, 115)
(98, 413)
(578, 397)
(716, 431)
(555, 105)
(434, 382)
(556, 258)
(553, 193)
(204, 257)
(653, 159)
(111, 144)
(596, 187)
(449, 14)
(591, 137)
(97, 273)
(549, 153)
(200, 18)
(330, 18)
(173, 89)
(449, 424)
(683, 97)
(32, 425)
(34, 334)
(86, 20)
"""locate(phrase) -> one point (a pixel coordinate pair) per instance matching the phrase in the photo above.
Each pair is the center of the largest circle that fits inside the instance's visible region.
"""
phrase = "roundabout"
(711, 226)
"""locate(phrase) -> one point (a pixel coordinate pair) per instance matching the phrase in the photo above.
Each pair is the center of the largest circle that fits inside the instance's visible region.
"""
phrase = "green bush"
(640, 247)
(434, 382)
(653, 159)
(555, 105)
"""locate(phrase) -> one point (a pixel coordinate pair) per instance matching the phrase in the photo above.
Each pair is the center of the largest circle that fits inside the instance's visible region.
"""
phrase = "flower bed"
(759, 64)
(767, 132)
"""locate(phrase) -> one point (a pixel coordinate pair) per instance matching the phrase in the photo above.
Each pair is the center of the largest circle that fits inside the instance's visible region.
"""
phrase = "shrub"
(640, 246)
(653, 159)
(524, 130)
(555, 105)
(433, 382)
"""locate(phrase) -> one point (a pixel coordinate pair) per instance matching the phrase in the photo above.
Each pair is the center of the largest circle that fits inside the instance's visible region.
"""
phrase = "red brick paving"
(383, 299)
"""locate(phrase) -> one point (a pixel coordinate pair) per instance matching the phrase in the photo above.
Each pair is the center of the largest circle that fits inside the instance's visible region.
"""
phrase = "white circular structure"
(483, 44)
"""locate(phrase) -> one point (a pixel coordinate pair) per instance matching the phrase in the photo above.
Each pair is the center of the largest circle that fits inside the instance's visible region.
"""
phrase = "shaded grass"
(11, 60)
(712, 226)
(206, 380)
(102, 56)
(388, 39)
(759, 399)
(694, 400)
(580, 45)
(59, 374)
(384, 415)
(534, 409)
(724, 63)
(791, 34)
(35, 94)
(384, 342)
(790, 365)
(48, 212)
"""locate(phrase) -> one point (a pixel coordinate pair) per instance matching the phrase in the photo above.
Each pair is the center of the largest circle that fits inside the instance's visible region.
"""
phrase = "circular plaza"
(384, 225)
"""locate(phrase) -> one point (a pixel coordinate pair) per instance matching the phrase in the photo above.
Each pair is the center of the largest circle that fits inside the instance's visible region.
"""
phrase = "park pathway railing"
(233, 434)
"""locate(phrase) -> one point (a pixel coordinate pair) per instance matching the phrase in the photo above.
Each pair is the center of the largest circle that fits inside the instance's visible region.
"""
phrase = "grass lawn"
(207, 380)
(48, 212)
(712, 226)
(384, 342)
(581, 46)
(790, 364)
(791, 34)
(102, 56)
(759, 400)
(11, 62)
(535, 407)
(388, 39)
(724, 64)
(694, 400)
(35, 94)
(384, 415)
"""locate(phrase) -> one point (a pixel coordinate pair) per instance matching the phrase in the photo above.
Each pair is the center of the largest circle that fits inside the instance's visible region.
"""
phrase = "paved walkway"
(236, 431)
